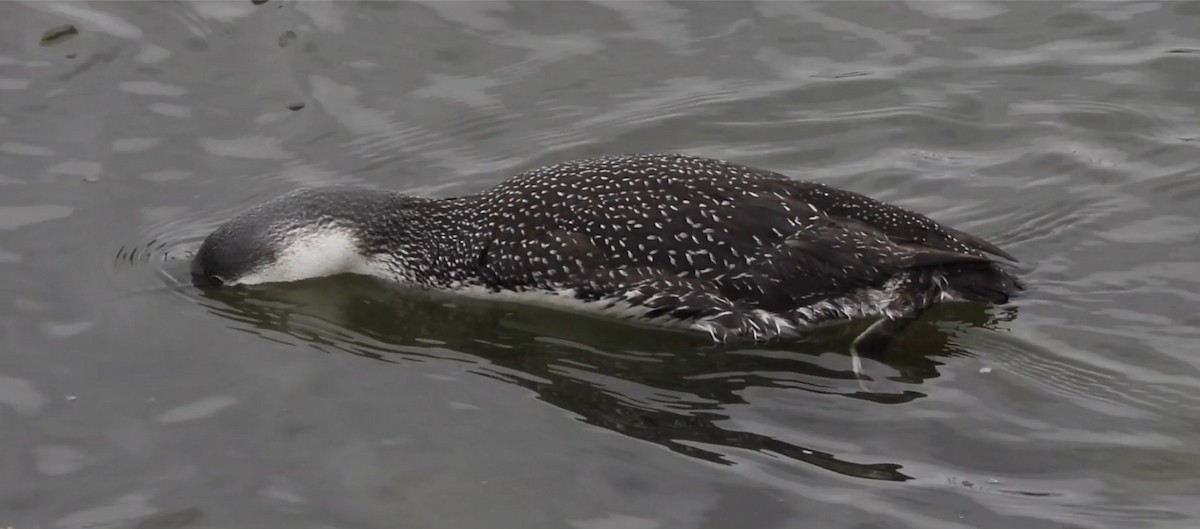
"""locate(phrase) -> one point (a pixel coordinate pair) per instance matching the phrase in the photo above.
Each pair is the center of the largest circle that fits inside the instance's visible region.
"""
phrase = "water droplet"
(295, 106)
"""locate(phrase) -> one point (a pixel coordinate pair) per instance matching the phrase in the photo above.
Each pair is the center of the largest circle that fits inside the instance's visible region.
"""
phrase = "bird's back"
(759, 237)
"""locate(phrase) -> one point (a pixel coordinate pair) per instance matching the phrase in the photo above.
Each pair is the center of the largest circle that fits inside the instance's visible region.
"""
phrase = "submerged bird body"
(676, 240)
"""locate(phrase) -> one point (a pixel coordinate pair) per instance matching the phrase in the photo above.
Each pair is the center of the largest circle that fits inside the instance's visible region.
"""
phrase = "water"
(1067, 133)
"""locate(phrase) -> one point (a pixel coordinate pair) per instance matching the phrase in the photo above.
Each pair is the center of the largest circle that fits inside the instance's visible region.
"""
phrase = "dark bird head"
(308, 233)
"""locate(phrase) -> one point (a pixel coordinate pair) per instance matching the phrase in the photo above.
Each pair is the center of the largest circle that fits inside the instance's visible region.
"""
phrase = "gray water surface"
(1067, 133)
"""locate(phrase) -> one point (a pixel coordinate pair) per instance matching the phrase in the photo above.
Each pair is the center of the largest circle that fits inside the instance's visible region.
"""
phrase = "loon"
(732, 251)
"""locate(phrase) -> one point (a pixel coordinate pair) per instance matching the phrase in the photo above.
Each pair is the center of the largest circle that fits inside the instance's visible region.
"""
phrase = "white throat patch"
(312, 253)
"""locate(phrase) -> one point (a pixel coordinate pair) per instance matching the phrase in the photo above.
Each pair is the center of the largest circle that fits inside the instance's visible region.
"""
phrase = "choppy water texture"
(1068, 133)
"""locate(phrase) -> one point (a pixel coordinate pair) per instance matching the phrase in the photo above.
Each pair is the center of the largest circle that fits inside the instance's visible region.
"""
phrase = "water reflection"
(671, 388)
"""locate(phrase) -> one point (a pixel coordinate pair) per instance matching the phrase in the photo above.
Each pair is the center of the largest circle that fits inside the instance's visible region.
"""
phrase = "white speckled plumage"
(671, 239)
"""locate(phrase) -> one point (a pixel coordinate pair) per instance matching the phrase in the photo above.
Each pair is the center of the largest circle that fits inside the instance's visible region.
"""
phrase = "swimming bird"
(732, 251)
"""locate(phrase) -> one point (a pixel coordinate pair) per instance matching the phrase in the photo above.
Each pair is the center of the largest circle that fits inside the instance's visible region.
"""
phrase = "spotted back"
(754, 233)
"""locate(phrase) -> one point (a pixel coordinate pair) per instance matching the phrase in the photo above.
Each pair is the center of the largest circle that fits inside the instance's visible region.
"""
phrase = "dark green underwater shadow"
(663, 386)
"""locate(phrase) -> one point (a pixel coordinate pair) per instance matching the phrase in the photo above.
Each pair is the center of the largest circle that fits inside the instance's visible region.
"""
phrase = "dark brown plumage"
(707, 244)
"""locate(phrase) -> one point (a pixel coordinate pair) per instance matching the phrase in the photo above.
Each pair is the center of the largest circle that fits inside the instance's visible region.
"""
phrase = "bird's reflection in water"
(662, 386)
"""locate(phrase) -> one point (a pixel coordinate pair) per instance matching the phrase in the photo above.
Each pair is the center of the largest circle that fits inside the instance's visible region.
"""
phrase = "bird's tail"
(982, 282)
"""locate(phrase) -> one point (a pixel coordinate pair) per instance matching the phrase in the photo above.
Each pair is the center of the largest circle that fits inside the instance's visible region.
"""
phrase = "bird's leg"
(873, 342)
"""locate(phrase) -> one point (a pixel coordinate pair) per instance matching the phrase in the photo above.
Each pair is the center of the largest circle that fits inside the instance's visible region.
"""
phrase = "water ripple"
(1066, 133)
